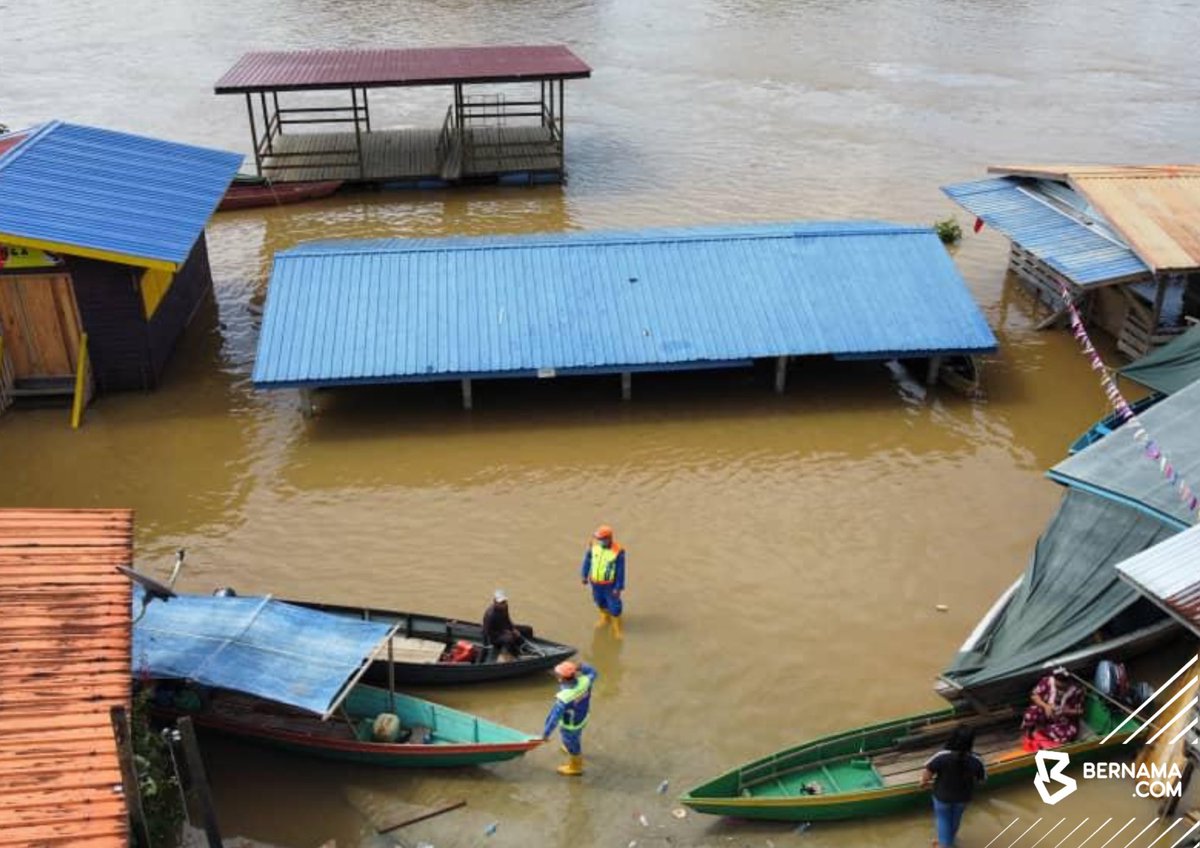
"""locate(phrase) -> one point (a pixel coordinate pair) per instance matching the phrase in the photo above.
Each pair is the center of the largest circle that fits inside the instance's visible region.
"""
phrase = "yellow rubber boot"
(603, 619)
(616, 627)
(573, 767)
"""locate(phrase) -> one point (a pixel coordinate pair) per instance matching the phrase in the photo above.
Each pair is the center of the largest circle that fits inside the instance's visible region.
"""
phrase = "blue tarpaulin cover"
(259, 646)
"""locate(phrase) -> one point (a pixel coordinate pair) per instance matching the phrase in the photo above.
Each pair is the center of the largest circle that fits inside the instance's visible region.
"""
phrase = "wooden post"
(195, 767)
(130, 785)
(391, 676)
(82, 377)
(626, 385)
(935, 365)
(307, 408)
(466, 394)
(1159, 294)
(253, 136)
(366, 110)
(262, 96)
(357, 133)
(780, 374)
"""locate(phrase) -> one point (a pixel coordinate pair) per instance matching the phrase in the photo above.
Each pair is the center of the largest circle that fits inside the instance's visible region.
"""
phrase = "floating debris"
(491, 828)
(679, 813)
(942, 608)
(662, 787)
(641, 817)
(803, 826)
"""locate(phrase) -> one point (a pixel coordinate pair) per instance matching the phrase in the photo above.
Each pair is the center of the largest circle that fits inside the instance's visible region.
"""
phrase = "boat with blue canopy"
(289, 677)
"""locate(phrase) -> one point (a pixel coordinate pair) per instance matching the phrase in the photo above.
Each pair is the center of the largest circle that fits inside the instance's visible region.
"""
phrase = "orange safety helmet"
(566, 669)
(603, 532)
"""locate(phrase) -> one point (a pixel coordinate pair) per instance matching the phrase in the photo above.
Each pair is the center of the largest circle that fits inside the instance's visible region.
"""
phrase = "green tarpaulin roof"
(1170, 368)
(1069, 591)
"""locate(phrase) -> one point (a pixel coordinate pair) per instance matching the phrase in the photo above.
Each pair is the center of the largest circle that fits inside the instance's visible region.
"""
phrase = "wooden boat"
(247, 192)
(421, 642)
(875, 770)
(1122, 643)
(438, 736)
(1111, 422)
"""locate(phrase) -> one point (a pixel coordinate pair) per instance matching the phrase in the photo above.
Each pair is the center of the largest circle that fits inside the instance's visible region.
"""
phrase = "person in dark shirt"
(498, 628)
(953, 773)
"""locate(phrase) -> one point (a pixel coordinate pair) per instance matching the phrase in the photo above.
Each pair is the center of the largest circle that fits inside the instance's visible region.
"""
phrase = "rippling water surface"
(786, 553)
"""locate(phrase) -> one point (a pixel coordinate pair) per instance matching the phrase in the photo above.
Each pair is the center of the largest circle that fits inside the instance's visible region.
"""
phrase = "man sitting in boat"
(1053, 716)
(499, 630)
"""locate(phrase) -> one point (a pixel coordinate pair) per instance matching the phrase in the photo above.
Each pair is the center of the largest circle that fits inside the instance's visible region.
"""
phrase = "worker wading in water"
(604, 569)
(570, 712)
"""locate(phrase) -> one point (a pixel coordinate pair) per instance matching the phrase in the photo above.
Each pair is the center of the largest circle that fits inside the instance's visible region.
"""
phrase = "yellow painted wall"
(154, 287)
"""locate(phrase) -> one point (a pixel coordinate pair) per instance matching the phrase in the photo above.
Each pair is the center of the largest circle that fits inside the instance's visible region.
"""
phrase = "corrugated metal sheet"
(1116, 467)
(1169, 573)
(316, 69)
(140, 198)
(1052, 226)
(594, 303)
(1158, 214)
(1155, 208)
(64, 661)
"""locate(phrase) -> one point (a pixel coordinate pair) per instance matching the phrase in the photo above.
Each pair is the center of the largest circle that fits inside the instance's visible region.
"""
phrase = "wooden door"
(40, 322)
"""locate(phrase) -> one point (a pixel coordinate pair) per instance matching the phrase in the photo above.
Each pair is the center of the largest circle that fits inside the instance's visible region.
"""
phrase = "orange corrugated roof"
(64, 661)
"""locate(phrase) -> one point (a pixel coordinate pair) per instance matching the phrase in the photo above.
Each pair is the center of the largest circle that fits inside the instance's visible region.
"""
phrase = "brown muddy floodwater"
(786, 553)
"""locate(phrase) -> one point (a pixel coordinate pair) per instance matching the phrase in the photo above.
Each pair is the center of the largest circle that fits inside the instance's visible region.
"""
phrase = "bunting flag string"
(1152, 449)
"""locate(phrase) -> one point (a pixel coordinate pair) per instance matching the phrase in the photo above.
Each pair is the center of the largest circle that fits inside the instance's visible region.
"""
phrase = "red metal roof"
(11, 140)
(64, 660)
(331, 69)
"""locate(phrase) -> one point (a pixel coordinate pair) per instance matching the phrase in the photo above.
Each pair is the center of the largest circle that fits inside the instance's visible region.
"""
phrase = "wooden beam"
(781, 363)
(424, 816)
(130, 785)
(626, 385)
(935, 365)
(468, 403)
(199, 780)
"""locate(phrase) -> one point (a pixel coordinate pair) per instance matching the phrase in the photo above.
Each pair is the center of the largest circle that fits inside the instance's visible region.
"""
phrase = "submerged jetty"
(537, 307)
(504, 124)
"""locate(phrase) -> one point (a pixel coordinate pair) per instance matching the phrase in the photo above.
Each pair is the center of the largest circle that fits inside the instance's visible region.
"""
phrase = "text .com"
(1150, 780)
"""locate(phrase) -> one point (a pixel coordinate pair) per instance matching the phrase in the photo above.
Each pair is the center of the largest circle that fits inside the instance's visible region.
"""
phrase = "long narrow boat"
(435, 736)
(1111, 422)
(289, 677)
(875, 770)
(248, 192)
(421, 641)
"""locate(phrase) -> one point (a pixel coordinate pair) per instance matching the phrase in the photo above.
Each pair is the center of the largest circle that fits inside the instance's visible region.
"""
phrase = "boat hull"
(456, 738)
(254, 195)
(447, 632)
(853, 764)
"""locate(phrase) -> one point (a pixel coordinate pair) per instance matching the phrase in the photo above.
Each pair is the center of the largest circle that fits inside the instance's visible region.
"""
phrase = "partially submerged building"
(101, 248)
(504, 121)
(1123, 240)
(466, 309)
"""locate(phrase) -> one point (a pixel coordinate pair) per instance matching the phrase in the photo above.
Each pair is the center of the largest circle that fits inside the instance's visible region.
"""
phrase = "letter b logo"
(1050, 767)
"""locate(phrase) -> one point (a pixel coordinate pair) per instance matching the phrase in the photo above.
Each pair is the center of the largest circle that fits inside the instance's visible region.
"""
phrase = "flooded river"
(787, 554)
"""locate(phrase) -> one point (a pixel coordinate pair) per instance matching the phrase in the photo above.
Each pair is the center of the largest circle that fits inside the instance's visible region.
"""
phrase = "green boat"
(431, 735)
(875, 770)
(289, 677)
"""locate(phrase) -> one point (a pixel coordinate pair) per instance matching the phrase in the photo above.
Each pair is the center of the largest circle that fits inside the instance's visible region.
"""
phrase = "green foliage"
(948, 231)
(161, 799)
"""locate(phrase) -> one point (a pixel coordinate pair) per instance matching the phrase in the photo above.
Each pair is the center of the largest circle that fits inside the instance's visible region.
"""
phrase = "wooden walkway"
(411, 154)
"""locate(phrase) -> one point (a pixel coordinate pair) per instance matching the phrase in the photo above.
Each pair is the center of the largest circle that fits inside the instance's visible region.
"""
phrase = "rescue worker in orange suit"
(570, 712)
(604, 569)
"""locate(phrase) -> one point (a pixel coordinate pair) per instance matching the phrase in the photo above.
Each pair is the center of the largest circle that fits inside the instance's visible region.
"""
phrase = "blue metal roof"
(1053, 223)
(260, 646)
(394, 311)
(111, 192)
